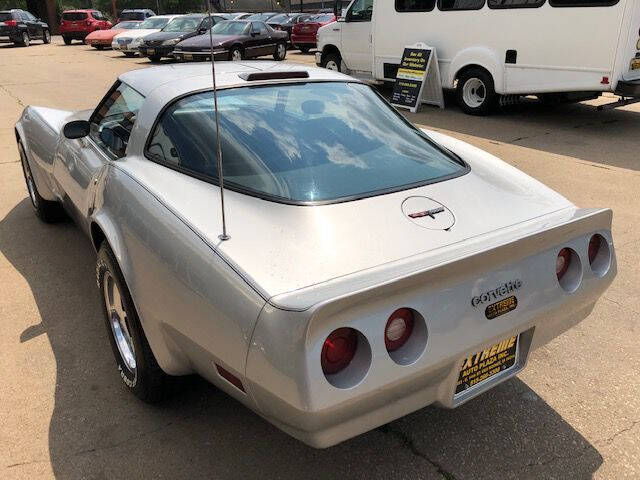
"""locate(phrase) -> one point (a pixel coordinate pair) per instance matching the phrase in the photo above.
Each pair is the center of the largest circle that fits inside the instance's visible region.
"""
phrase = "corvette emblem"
(427, 213)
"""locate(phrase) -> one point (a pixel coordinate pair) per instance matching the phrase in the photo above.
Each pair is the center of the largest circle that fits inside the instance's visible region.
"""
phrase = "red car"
(77, 24)
(303, 35)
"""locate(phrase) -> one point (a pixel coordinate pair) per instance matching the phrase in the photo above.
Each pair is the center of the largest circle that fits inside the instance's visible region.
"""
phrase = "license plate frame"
(481, 367)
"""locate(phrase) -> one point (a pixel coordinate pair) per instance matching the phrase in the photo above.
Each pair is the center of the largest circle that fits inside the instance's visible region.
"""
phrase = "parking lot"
(573, 413)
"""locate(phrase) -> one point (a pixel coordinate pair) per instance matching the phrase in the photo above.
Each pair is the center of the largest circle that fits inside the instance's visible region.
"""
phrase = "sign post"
(418, 79)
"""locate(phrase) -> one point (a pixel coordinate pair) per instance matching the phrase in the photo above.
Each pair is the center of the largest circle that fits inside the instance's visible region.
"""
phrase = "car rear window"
(132, 16)
(74, 16)
(320, 18)
(300, 143)
(4, 16)
(154, 23)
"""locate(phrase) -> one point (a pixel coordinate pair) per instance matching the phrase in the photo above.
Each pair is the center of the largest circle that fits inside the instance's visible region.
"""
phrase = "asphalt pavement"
(573, 413)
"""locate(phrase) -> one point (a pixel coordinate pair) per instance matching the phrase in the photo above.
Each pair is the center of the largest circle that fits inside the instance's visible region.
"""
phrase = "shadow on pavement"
(98, 430)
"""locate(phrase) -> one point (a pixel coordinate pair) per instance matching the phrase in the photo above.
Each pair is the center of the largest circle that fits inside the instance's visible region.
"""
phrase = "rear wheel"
(475, 92)
(98, 47)
(67, 40)
(235, 54)
(155, 58)
(24, 39)
(136, 363)
(46, 36)
(331, 61)
(304, 49)
(46, 210)
(280, 52)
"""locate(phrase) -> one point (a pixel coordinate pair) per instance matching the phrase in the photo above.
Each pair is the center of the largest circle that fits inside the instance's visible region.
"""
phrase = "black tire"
(25, 41)
(146, 381)
(46, 36)
(131, 54)
(304, 49)
(475, 92)
(46, 210)
(331, 60)
(98, 47)
(280, 52)
(156, 58)
(67, 40)
(236, 51)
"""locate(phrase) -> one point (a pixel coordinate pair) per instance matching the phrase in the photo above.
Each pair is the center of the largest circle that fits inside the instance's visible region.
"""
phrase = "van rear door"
(632, 53)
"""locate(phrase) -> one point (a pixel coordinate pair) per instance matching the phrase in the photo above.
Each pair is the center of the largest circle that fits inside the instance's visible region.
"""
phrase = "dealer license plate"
(151, 51)
(481, 366)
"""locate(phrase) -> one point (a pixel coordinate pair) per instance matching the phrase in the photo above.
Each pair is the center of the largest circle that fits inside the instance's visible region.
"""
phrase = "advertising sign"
(418, 78)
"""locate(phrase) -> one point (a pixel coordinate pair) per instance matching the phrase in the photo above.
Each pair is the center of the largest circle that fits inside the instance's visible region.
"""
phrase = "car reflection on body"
(128, 42)
(371, 268)
(102, 38)
(235, 40)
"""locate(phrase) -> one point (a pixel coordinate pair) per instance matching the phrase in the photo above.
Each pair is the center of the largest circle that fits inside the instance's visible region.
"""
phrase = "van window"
(360, 11)
(460, 4)
(582, 3)
(415, 5)
(515, 3)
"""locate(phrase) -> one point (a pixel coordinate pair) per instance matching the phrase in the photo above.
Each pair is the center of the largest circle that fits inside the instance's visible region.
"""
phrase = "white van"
(489, 49)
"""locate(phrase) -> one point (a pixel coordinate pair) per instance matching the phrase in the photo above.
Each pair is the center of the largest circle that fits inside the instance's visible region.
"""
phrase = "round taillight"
(562, 262)
(594, 247)
(398, 329)
(338, 350)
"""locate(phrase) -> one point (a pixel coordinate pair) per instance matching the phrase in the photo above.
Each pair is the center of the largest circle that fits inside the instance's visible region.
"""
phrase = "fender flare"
(481, 57)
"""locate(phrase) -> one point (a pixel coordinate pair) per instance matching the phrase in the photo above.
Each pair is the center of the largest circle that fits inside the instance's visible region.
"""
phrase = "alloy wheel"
(117, 315)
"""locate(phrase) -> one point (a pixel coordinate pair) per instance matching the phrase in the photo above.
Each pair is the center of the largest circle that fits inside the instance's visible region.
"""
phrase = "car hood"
(203, 40)
(137, 33)
(166, 35)
(279, 248)
(105, 34)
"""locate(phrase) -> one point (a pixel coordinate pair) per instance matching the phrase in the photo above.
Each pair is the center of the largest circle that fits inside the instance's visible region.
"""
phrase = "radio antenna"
(224, 236)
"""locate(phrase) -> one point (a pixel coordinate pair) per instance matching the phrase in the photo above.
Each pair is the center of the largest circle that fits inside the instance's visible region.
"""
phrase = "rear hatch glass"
(74, 16)
(132, 16)
(4, 16)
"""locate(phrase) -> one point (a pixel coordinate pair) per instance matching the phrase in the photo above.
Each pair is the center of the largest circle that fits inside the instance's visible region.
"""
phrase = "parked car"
(161, 44)
(128, 42)
(77, 24)
(237, 15)
(139, 14)
(20, 27)
(102, 38)
(235, 40)
(286, 21)
(261, 17)
(356, 282)
(303, 35)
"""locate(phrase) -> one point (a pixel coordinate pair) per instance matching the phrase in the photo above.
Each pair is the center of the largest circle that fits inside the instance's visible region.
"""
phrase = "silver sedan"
(371, 269)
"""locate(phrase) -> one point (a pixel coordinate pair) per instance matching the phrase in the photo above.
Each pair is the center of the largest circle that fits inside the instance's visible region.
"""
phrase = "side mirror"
(76, 129)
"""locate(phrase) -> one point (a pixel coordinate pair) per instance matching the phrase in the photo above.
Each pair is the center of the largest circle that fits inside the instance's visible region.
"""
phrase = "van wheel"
(136, 363)
(47, 211)
(46, 37)
(475, 92)
(67, 40)
(331, 61)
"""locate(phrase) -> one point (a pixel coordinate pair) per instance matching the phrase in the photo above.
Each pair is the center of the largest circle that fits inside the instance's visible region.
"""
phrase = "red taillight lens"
(594, 247)
(338, 350)
(10, 23)
(562, 262)
(398, 329)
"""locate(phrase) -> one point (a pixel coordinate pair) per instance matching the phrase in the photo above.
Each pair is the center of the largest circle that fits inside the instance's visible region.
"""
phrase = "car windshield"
(182, 24)
(154, 23)
(132, 16)
(230, 28)
(126, 25)
(282, 18)
(260, 16)
(74, 16)
(301, 143)
(320, 18)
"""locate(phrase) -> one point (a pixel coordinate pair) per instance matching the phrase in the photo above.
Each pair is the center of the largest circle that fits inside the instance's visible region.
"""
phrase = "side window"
(515, 3)
(206, 23)
(113, 120)
(460, 4)
(29, 17)
(360, 11)
(23, 16)
(415, 5)
(582, 3)
(255, 28)
(264, 30)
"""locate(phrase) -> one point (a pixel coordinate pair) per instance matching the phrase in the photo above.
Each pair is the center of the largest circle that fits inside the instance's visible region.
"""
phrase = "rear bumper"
(628, 89)
(6, 39)
(285, 379)
(75, 34)
(309, 40)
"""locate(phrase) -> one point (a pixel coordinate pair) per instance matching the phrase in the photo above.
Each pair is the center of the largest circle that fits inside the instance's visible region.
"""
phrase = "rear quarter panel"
(194, 308)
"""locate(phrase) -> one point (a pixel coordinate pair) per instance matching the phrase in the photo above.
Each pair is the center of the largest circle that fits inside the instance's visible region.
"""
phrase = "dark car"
(286, 21)
(235, 40)
(139, 14)
(304, 34)
(161, 44)
(77, 24)
(20, 27)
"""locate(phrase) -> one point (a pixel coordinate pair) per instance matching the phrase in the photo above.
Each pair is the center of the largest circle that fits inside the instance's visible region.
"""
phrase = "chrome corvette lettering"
(427, 213)
(501, 291)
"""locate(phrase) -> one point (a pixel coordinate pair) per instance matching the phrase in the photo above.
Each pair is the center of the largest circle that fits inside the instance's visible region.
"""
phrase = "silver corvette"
(372, 268)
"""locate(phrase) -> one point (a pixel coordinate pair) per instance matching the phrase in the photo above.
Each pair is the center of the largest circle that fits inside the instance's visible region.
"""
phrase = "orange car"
(102, 38)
